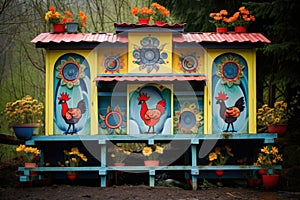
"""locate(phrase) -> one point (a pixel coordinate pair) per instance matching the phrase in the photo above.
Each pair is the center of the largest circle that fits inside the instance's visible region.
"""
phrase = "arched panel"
(71, 95)
(230, 94)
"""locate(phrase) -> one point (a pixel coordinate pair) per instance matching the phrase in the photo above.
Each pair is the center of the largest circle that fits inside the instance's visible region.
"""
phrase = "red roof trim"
(150, 78)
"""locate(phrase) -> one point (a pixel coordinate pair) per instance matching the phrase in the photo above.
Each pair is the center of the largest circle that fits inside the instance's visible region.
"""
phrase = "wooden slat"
(9, 139)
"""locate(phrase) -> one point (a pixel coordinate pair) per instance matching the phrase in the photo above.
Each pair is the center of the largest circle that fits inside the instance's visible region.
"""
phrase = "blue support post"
(151, 178)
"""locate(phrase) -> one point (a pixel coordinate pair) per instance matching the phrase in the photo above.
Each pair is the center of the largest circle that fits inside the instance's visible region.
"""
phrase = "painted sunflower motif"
(149, 55)
(188, 118)
(230, 70)
(70, 72)
(114, 121)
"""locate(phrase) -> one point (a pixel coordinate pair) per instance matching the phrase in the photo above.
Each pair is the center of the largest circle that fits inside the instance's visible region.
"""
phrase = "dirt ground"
(11, 189)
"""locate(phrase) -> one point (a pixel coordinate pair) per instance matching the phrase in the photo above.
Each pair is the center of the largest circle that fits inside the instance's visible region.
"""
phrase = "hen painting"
(71, 115)
(151, 116)
(230, 114)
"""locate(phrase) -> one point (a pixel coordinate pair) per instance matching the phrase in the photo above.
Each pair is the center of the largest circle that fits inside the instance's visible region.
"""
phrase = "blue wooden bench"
(192, 168)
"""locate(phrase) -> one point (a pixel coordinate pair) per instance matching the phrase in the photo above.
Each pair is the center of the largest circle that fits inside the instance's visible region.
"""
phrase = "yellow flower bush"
(279, 114)
(53, 16)
(220, 155)
(24, 111)
(119, 155)
(152, 152)
(30, 154)
(73, 158)
(268, 157)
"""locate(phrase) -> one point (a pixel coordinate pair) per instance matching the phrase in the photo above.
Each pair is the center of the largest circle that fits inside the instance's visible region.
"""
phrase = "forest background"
(22, 66)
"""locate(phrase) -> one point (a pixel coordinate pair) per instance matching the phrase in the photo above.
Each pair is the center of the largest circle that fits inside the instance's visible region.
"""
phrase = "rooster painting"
(151, 116)
(230, 114)
(71, 115)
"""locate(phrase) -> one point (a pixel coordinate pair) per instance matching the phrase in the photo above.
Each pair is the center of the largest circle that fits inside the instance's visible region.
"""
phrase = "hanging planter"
(221, 29)
(59, 28)
(240, 29)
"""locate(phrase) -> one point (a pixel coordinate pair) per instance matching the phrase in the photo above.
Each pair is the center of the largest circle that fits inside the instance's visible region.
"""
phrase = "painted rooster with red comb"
(230, 114)
(71, 115)
(151, 116)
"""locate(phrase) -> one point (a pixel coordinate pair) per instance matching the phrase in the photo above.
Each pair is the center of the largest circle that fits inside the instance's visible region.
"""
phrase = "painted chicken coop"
(152, 84)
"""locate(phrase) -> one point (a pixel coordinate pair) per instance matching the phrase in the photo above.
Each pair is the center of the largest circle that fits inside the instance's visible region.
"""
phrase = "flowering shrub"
(119, 154)
(241, 18)
(53, 16)
(268, 157)
(220, 155)
(30, 154)
(24, 111)
(152, 152)
(160, 12)
(279, 114)
(219, 19)
(143, 13)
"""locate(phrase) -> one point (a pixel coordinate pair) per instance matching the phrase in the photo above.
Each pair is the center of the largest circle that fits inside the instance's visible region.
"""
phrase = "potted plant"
(160, 14)
(119, 155)
(24, 116)
(74, 26)
(241, 19)
(220, 21)
(275, 118)
(219, 157)
(31, 155)
(73, 158)
(267, 158)
(56, 19)
(152, 154)
(143, 14)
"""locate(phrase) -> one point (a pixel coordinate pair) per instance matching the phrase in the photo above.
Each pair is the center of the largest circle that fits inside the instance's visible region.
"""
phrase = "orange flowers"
(160, 12)
(220, 19)
(52, 16)
(83, 19)
(142, 13)
(242, 17)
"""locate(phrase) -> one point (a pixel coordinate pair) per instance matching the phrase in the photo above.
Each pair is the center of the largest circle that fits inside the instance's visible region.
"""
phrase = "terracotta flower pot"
(240, 29)
(280, 129)
(143, 20)
(270, 182)
(159, 23)
(119, 164)
(59, 28)
(221, 29)
(219, 173)
(72, 176)
(262, 172)
(151, 162)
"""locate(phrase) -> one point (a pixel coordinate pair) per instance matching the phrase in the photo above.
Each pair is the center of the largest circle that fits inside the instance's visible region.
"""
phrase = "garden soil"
(11, 189)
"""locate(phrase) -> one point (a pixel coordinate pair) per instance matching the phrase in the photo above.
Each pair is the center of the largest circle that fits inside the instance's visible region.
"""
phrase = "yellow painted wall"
(165, 45)
(51, 57)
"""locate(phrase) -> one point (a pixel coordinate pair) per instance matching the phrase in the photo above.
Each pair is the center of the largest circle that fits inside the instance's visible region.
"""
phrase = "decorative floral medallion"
(188, 118)
(230, 70)
(189, 63)
(70, 72)
(113, 121)
(149, 55)
(113, 63)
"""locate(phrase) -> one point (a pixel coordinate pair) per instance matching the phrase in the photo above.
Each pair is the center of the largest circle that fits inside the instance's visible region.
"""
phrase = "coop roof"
(91, 40)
